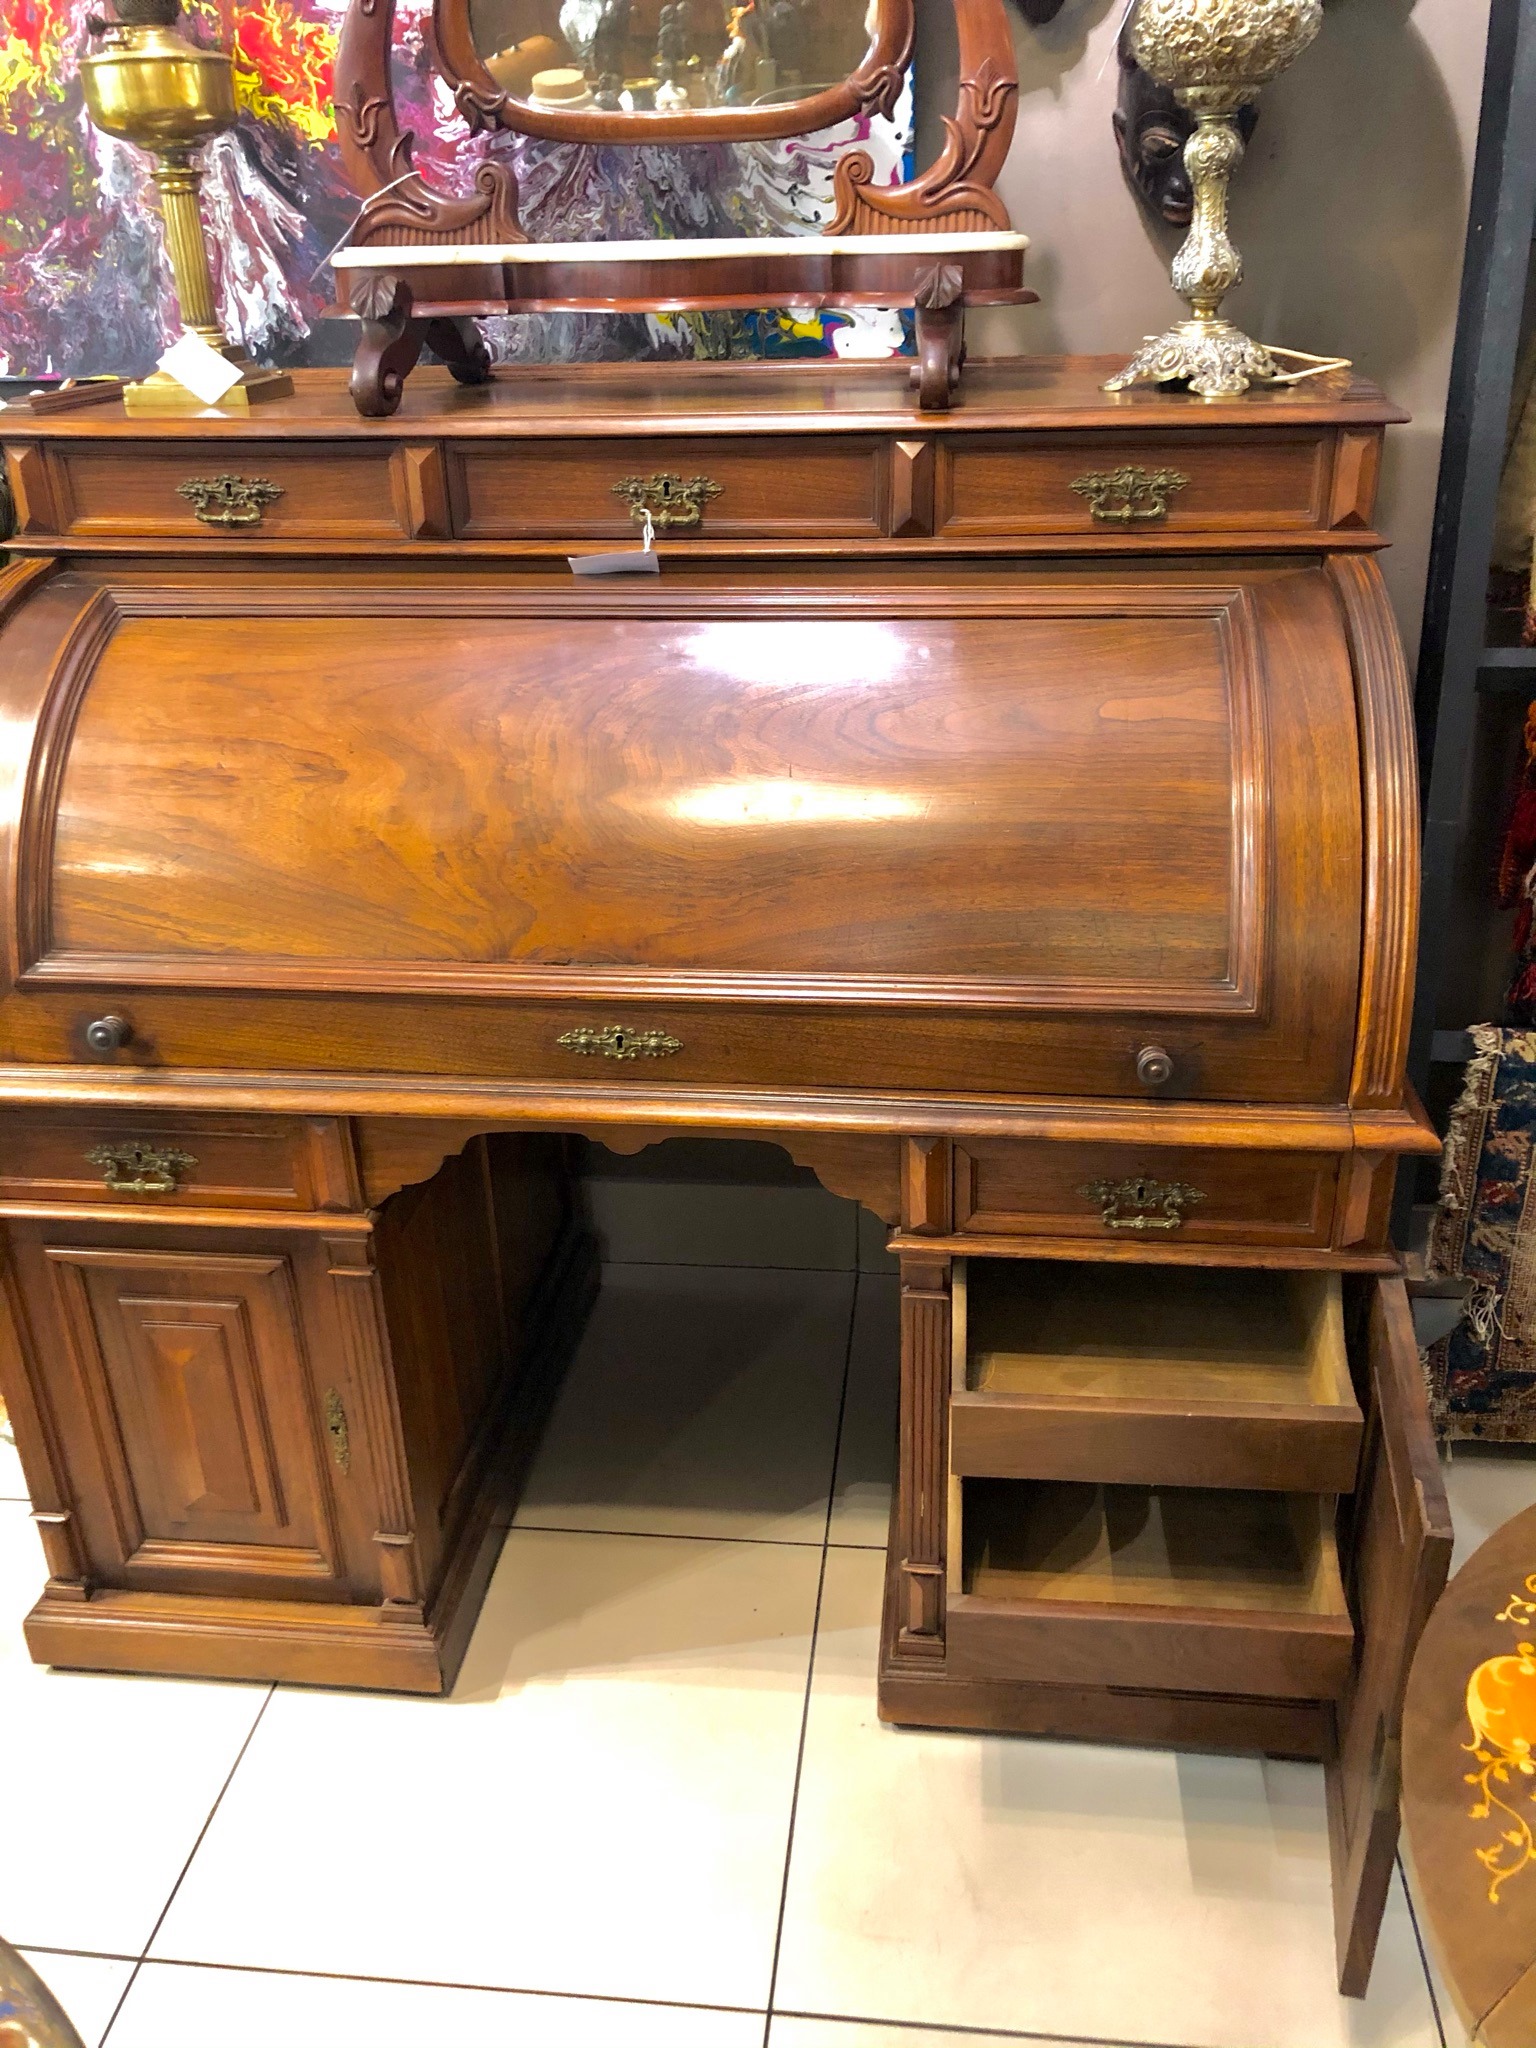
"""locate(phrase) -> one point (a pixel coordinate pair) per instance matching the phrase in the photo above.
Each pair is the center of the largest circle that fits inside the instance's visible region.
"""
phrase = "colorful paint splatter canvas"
(84, 282)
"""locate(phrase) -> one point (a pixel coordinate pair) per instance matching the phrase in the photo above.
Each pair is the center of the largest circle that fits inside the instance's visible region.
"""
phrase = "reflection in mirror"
(665, 56)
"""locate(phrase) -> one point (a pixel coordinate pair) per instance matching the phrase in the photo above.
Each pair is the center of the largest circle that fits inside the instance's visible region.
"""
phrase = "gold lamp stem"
(178, 175)
(1208, 265)
(1216, 359)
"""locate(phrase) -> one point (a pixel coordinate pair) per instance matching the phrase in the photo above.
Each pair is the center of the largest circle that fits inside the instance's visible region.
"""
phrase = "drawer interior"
(1026, 1541)
(1176, 1335)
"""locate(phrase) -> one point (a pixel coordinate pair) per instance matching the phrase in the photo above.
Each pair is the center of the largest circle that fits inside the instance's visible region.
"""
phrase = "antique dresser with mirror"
(1002, 799)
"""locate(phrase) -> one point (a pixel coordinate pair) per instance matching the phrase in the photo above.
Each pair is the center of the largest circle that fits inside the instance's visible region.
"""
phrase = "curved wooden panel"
(892, 809)
(1391, 792)
(673, 796)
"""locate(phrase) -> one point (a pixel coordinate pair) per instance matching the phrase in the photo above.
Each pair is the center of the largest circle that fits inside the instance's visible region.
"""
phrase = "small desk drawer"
(1144, 1195)
(1151, 1375)
(173, 1161)
(1013, 486)
(223, 490)
(533, 490)
(1189, 1591)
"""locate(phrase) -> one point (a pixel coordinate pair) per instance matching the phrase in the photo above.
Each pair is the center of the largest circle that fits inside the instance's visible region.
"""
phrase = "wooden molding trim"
(747, 1112)
(922, 1492)
(370, 1386)
(37, 1435)
(83, 646)
(862, 1166)
(1390, 910)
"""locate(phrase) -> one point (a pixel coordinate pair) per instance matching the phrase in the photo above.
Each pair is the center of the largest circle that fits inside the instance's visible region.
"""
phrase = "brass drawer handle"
(669, 500)
(1142, 1204)
(229, 500)
(1119, 496)
(618, 1042)
(140, 1169)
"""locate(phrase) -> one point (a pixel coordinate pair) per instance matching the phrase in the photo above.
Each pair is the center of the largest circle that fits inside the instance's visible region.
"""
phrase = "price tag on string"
(640, 561)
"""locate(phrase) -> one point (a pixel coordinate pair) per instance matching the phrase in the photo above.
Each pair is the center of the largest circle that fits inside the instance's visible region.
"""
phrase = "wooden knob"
(108, 1034)
(1153, 1066)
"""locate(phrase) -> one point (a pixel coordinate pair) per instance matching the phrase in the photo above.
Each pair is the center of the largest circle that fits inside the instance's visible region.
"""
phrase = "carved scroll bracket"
(376, 152)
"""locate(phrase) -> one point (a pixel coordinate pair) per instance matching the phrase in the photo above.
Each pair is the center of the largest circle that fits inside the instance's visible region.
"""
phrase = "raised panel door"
(198, 1402)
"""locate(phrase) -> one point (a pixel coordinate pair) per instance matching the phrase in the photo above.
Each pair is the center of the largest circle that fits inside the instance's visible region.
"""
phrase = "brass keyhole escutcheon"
(669, 500)
(1121, 496)
(1141, 1204)
(618, 1042)
(229, 500)
(135, 1169)
(336, 1430)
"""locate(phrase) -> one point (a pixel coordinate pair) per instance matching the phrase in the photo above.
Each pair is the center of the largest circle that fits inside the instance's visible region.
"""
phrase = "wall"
(1350, 212)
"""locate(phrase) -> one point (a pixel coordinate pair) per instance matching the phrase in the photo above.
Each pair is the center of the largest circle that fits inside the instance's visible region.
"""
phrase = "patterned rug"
(1483, 1374)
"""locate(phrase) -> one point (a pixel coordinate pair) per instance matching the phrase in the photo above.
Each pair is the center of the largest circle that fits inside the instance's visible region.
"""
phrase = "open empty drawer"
(1151, 1375)
(1185, 1589)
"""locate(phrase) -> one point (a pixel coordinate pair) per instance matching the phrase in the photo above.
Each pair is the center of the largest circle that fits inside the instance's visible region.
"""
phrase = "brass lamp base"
(163, 393)
(1214, 358)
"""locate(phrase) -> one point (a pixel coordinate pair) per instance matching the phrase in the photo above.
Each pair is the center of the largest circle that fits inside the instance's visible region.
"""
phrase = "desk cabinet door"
(199, 1443)
(1399, 1545)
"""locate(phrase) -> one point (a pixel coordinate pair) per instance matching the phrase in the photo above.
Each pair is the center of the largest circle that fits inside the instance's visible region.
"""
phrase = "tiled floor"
(659, 1807)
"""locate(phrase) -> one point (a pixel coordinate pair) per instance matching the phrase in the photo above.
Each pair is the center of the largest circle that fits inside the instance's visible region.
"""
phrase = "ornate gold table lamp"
(149, 86)
(1215, 54)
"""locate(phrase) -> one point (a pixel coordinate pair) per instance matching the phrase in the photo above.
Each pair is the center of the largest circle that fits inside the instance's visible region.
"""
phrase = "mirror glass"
(652, 57)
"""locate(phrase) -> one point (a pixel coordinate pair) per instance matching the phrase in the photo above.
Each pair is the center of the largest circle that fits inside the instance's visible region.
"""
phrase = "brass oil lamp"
(148, 85)
(1216, 55)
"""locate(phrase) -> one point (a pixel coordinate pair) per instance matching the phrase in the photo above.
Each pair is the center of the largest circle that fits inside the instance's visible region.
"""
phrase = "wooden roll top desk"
(1010, 812)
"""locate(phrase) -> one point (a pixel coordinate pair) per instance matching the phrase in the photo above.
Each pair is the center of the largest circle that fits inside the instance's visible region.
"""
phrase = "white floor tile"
(12, 1484)
(1486, 1485)
(181, 2005)
(1456, 2033)
(602, 1809)
(873, 1235)
(701, 1401)
(88, 1988)
(789, 2030)
(1088, 1892)
(866, 1454)
(118, 1776)
(713, 1223)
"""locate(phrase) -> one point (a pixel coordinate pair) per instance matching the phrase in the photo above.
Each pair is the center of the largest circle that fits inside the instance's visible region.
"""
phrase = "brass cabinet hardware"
(134, 1169)
(336, 1430)
(669, 500)
(1153, 1066)
(108, 1034)
(229, 500)
(618, 1042)
(1122, 495)
(1142, 1204)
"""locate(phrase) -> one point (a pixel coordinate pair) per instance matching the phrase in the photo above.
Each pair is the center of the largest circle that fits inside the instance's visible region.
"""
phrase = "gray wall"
(1350, 212)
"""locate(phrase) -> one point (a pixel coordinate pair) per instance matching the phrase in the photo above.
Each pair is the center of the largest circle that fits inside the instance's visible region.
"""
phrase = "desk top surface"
(1018, 393)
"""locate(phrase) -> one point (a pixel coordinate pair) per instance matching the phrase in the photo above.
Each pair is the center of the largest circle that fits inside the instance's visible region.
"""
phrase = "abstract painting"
(84, 282)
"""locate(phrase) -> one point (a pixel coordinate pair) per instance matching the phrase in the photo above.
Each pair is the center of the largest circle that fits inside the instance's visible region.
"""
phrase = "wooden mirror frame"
(400, 209)
(874, 88)
(419, 265)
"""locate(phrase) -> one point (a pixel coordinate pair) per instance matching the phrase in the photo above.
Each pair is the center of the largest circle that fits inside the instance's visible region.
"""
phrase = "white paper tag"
(640, 561)
(633, 562)
(195, 363)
